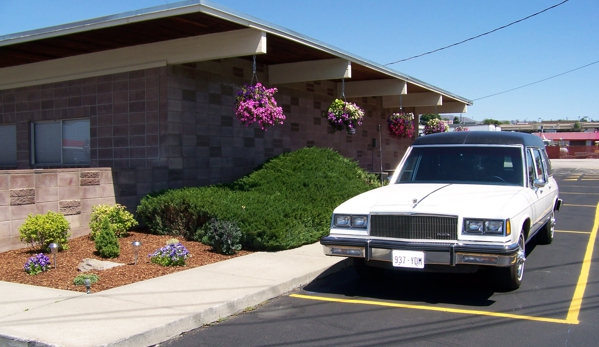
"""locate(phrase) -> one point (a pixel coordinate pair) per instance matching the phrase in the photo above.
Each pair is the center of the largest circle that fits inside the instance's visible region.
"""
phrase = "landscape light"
(88, 284)
(54, 249)
(136, 245)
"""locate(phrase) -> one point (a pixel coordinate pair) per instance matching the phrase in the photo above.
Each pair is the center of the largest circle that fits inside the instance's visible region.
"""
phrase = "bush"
(120, 219)
(173, 254)
(37, 264)
(223, 236)
(107, 244)
(285, 203)
(79, 279)
(43, 229)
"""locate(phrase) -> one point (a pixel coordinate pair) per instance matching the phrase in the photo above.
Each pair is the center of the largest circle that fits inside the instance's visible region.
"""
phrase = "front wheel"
(510, 278)
(545, 235)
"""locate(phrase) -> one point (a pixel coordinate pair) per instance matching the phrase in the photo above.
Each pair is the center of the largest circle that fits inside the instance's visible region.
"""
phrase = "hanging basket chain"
(254, 75)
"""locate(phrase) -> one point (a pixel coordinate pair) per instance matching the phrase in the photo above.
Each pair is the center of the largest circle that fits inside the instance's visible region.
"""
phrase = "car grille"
(414, 227)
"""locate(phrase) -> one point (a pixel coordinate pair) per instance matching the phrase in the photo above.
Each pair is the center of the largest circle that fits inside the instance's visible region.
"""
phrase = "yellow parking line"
(576, 303)
(435, 308)
(575, 205)
(573, 310)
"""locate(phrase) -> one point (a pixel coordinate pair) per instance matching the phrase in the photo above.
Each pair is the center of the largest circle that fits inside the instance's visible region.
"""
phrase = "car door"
(543, 187)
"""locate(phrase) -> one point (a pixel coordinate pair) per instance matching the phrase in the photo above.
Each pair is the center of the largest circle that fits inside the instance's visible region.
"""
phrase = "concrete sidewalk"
(152, 311)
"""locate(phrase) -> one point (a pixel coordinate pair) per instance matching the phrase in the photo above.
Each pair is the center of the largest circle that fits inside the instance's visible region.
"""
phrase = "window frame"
(61, 123)
(16, 159)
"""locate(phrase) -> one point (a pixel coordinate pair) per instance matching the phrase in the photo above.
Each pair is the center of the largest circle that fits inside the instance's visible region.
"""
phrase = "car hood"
(451, 199)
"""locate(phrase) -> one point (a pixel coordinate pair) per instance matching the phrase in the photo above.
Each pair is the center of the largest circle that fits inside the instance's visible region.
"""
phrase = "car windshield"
(500, 165)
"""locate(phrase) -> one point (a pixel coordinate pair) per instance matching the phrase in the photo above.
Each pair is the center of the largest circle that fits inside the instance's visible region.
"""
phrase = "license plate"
(411, 259)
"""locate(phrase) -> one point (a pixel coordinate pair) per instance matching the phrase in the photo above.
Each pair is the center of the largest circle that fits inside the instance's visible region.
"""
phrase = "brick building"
(110, 109)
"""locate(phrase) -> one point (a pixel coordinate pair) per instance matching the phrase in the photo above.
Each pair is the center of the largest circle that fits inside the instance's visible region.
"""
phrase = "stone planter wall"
(71, 192)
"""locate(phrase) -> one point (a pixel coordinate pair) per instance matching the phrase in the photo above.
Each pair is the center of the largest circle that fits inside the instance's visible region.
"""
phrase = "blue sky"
(384, 31)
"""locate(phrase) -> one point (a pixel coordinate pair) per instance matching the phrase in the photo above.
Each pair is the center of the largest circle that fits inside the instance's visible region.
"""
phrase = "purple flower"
(173, 254)
(37, 264)
(344, 115)
(401, 125)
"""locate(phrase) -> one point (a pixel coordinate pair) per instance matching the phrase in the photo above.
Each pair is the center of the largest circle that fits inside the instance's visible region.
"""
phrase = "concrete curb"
(149, 312)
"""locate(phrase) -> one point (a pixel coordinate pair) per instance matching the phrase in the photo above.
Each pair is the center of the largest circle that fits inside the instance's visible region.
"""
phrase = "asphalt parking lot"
(555, 306)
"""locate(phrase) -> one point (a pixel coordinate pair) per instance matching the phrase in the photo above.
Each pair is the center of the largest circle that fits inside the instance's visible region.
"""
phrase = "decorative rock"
(89, 264)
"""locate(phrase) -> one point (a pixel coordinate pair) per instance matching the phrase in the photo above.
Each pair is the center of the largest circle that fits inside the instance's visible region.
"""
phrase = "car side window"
(540, 165)
(530, 165)
(547, 163)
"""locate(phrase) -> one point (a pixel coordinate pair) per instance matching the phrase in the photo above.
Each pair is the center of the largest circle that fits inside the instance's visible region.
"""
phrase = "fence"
(573, 152)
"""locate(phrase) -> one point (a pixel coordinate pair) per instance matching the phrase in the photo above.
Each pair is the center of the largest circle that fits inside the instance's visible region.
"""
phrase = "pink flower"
(401, 125)
(256, 104)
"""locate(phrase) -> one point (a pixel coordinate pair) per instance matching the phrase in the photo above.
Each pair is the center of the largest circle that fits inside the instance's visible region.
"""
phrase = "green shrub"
(79, 279)
(285, 203)
(40, 230)
(223, 236)
(120, 219)
(107, 244)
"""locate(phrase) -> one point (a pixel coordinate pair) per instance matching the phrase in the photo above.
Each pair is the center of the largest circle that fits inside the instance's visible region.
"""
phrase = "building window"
(8, 143)
(60, 142)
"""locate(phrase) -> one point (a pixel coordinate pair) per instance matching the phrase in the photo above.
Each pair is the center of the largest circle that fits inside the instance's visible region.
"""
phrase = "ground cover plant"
(285, 203)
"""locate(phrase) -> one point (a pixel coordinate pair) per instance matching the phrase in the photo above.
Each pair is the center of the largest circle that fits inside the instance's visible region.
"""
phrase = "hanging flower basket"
(256, 104)
(343, 115)
(461, 128)
(434, 126)
(401, 125)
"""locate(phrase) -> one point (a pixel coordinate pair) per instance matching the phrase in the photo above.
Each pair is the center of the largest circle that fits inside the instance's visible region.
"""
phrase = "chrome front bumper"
(450, 254)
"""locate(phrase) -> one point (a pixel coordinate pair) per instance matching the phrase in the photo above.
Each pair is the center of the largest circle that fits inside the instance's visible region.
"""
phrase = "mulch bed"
(61, 277)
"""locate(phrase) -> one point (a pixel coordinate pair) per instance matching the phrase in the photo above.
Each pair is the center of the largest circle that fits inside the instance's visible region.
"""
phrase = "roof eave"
(193, 6)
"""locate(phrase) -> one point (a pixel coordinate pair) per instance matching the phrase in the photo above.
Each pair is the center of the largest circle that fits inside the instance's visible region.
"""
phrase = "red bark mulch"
(61, 277)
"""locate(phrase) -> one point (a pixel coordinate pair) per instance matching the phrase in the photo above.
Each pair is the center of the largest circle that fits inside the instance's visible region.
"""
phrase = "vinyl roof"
(480, 138)
(181, 20)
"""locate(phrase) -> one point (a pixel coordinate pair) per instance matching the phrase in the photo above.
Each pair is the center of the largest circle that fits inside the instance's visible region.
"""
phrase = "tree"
(456, 120)
(426, 117)
(490, 121)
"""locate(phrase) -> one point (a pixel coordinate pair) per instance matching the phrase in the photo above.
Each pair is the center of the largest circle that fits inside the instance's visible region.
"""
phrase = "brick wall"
(170, 127)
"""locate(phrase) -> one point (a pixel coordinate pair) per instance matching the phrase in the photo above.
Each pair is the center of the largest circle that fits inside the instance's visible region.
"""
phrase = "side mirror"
(539, 183)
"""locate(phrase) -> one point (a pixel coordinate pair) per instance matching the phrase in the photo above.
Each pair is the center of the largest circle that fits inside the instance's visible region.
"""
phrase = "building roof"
(570, 136)
(189, 19)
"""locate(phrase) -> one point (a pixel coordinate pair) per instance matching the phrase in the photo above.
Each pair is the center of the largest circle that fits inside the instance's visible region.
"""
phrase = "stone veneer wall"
(71, 192)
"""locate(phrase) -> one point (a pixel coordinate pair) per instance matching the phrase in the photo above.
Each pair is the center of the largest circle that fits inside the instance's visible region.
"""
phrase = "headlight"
(350, 221)
(484, 227)
(342, 221)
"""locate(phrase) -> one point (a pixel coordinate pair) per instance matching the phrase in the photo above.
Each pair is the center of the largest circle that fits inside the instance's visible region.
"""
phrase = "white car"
(456, 202)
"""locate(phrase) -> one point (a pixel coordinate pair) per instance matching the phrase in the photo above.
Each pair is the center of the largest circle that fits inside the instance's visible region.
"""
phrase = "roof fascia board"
(304, 71)
(372, 88)
(447, 107)
(413, 100)
(229, 44)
